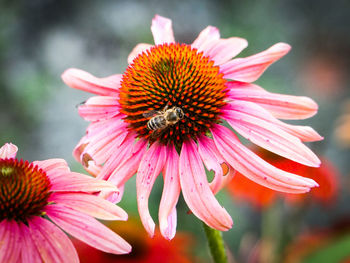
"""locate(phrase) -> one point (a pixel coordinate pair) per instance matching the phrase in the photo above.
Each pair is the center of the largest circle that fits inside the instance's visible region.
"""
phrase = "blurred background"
(39, 39)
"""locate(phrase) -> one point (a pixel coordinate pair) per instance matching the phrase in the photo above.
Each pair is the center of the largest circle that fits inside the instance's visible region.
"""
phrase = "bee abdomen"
(156, 123)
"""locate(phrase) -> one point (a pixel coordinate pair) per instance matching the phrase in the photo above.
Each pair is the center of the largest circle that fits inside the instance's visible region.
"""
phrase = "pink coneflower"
(202, 81)
(33, 195)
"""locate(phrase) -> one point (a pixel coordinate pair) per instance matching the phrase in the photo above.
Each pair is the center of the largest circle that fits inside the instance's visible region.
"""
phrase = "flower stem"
(216, 244)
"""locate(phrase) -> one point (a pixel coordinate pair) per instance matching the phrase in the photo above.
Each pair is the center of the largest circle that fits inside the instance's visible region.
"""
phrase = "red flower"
(145, 249)
(259, 196)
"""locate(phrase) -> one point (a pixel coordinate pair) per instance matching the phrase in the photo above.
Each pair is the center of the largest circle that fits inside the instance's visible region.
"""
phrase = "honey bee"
(164, 118)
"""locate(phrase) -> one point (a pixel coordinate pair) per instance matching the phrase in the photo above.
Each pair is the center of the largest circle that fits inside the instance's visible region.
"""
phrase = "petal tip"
(283, 47)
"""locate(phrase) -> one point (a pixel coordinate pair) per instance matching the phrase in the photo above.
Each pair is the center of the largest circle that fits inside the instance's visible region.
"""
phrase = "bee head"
(179, 113)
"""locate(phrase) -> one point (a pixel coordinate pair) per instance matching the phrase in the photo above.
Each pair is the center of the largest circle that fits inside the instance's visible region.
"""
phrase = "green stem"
(216, 244)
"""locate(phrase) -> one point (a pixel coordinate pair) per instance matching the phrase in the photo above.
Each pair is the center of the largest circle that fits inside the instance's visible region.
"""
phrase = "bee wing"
(150, 113)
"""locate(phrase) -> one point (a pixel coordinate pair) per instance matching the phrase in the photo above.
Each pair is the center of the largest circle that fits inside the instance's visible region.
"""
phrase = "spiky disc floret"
(172, 75)
(24, 190)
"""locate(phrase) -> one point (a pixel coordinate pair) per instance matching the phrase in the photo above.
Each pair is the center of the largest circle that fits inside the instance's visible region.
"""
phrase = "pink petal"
(125, 170)
(254, 168)
(87, 229)
(52, 243)
(113, 197)
(195, 188)
(281, 106)
(10, 241)
(138, 50)
(101, 149)
(248, 119)
(120, 153)
(162, 30)
(79, 79)
(150, 167)
(29, 251)
(90, 205)
(76, 182)
(223, 50)
(208, 35)
(8, 150)
(99, 108)
(102, 139)
(213, 160)
(53, 167)
(170, 195)
(249, 69)
(304, 133)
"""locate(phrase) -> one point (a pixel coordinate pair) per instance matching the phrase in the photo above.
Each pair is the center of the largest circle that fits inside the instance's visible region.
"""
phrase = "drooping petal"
(170, 195)
(10, 241)
(223, 50)
(150, 167)
(208, 35)
(52, 243)
(249, 69)
(195, 189)
(249, 120)
(8, 150)
(162, 30)
(213, 160)
(99, 108)
(79, 79)
(253, 167)
(119, 154)
(281, 106)
(100, 149)
(29, 251)
(87, 229)
(102, 138)
(76, 182)
(125, 170)
(90, 205)
(138, 50)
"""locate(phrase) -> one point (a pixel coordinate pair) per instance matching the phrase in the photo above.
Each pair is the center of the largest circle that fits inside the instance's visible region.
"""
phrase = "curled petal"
(90, 205)
(150, 167)
(281, 106)
(208, 35)
(213, 161)
(52, 244)
(248, 119)
(102, 138)
(170, 195)
(87, 229)
(195, 188)
(79, 79)
(256, 169)
(10, 241)
(99, 108)
(8, 150)
(162, 30)
(249, 69)
(138, 50)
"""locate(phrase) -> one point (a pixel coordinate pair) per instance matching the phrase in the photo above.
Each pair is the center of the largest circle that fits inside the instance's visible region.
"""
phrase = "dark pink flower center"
(24, 190)
(177, 78)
